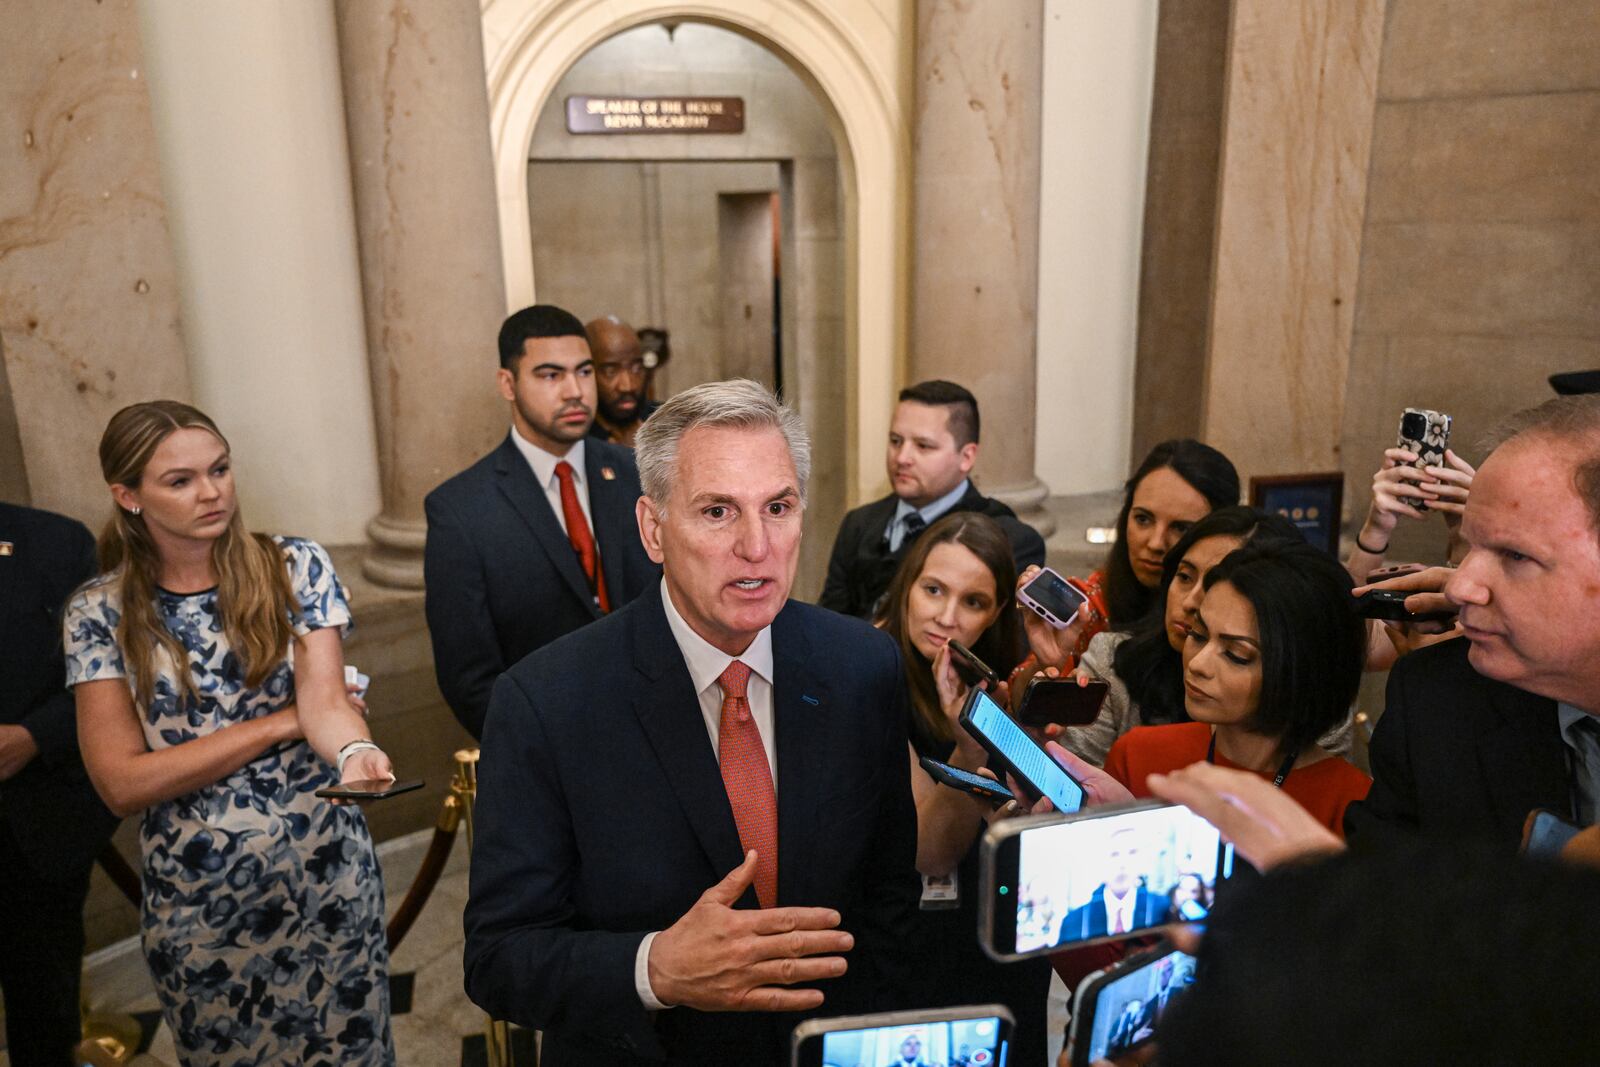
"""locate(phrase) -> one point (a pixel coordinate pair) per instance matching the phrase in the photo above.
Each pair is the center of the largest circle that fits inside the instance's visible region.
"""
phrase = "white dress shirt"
(706, 662)
(1122, 906)
(543, 465)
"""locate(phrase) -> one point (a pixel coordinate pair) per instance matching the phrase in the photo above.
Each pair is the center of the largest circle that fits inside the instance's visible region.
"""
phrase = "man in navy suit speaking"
(694, 818)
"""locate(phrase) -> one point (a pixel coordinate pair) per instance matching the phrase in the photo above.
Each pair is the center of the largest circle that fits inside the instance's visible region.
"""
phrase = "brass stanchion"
(497, 1035)
(110, 1038)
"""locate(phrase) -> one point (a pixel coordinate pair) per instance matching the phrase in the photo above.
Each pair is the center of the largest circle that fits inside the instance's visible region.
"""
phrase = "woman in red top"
(1270, 664)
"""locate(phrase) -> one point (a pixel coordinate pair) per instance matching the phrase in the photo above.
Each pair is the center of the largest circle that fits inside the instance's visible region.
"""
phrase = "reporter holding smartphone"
(262, 918)
(956, 584)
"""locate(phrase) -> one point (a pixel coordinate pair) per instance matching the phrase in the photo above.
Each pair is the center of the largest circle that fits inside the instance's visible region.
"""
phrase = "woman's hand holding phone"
(1052, 647)
(969, 754)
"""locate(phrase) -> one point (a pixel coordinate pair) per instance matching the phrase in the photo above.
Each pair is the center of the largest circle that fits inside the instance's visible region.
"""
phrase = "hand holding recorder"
(718, 958)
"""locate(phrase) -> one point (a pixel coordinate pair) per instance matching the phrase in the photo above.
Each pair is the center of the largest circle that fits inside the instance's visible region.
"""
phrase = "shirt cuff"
(641, 975)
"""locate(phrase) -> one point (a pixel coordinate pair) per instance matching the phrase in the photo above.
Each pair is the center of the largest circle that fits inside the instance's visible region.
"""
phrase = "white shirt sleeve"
(641, 975)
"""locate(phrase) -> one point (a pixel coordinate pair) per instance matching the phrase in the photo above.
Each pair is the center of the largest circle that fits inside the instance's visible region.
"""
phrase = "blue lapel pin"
(809, 699)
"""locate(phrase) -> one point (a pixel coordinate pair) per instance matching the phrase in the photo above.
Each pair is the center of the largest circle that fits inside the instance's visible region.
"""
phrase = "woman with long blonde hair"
(209, 677)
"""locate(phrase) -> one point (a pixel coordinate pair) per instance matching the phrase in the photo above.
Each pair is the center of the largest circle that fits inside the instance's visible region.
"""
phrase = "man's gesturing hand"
(719, 958)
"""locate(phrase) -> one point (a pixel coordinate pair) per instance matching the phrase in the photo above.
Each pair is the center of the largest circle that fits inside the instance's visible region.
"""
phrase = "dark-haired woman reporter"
(1270, 664)
(956, 584)
(208, 674)
(1180, 482)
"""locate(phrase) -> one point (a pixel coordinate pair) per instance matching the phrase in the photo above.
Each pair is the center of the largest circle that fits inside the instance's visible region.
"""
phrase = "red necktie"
(747, 777)
(578, 533)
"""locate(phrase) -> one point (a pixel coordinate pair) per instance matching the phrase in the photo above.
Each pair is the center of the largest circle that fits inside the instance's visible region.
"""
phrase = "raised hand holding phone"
(721, 958)
(1053, 646)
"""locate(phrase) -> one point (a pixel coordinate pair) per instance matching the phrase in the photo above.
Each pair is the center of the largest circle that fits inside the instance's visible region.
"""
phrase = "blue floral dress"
(262, 919)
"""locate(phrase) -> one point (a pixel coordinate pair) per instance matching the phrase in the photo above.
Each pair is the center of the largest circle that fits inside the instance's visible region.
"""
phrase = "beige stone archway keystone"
(852, 53)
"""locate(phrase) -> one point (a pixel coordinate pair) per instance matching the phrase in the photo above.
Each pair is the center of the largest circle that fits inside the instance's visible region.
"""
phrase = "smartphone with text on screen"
(1021, 755)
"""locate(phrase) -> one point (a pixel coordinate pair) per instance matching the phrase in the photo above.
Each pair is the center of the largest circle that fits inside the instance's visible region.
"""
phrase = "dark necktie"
(747, 777)
(914, 525)
(582, 540)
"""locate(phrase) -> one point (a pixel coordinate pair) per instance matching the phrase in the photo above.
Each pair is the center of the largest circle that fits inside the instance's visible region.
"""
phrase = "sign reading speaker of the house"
(655, 114)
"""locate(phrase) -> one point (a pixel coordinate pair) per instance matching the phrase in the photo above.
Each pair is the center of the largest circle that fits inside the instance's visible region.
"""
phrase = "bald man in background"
(620, 377)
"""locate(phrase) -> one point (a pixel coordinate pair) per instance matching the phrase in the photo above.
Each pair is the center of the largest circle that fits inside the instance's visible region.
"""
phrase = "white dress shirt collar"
(544, 463)
(706, 661)
(896, 531)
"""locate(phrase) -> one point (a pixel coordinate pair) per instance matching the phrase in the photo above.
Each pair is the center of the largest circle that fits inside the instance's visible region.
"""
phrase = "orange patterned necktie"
(748, 779)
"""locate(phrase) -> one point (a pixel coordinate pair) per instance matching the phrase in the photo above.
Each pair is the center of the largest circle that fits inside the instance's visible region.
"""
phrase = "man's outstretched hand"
(721, 958)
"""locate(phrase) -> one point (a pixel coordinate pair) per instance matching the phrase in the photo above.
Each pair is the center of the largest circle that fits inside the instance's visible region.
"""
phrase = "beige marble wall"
(1480, 268)
(1180, 220)
(1302, 83)
(975, 259)
(88, 282)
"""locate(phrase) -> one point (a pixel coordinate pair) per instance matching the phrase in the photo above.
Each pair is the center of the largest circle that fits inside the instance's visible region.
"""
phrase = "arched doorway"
(851, 57)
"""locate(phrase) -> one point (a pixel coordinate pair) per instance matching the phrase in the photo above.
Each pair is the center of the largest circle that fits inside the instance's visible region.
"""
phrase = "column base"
(396, 557)
(1027, 500)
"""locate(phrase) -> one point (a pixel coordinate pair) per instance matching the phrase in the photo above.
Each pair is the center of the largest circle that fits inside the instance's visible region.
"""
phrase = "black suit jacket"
(1458, 754)
(861, 566)
(601, 815)
(501, 576)
(49, 806)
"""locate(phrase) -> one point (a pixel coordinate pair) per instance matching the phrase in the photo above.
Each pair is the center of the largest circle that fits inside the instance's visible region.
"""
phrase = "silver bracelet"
(351, 749)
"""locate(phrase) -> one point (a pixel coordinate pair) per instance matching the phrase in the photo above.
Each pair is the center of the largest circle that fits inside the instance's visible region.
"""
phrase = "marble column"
(417, 112)
(1301, 93)
(975, 226)
(250, 133)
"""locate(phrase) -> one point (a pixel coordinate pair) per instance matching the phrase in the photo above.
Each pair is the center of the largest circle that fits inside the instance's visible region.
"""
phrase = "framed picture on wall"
(1311, 501)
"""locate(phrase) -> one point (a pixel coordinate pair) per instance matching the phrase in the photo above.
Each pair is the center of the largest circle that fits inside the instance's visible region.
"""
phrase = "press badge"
(940, 892)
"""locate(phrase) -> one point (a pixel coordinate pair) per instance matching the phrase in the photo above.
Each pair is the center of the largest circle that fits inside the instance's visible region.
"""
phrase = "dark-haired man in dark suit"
(933, 445)
(52, 825)
(537, 538)
(675, 858)
(1479, 731)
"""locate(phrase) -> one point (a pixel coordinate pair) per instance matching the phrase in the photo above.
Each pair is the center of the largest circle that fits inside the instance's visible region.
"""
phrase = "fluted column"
(975, 228)
(417, 113)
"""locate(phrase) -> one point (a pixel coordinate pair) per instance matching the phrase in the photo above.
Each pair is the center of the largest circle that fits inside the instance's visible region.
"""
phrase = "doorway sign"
(655, 114)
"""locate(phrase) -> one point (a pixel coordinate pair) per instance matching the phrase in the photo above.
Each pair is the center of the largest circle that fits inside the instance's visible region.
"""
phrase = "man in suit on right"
(1480, 730)
(52, 824)
(1122, 902)
(933, 445)
(537, 538)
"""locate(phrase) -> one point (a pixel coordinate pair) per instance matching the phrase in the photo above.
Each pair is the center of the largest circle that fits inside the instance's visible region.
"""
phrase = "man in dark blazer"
(52, 825)
(1480, 730)
(678, 856)
(933, 445)
(519, 550)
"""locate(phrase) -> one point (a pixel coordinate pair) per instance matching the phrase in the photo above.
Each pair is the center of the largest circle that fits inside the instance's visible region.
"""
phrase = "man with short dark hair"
(1479, 732)
(933, 446)
(537, 538)
(619, 369)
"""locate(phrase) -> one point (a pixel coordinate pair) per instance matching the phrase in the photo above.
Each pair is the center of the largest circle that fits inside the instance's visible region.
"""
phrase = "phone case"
(1045, 613)
(1062, 701)
(1089, 991)
(1428, 446)
(815, 1028)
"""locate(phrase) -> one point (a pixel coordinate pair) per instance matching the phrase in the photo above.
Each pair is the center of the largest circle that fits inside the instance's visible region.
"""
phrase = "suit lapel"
(669, 711)
(8, 571)
(611, 504)
(526, 496)
(1522, 757)
(800, 708)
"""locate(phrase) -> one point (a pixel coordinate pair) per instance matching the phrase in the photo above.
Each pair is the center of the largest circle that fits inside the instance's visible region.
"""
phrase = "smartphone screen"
(1055, 594)
(1023, 756)
(1101, 877)
(979, 1042)
(1130, 1004)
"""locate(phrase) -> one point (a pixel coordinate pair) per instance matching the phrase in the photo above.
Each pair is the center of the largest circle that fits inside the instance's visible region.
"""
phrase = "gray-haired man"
(694, 817)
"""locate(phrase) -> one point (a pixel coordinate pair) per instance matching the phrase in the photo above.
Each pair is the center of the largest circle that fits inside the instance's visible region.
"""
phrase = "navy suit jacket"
(1088, 920)
(49, 806)
(601, 815)
(502, 579)
(1459, 755)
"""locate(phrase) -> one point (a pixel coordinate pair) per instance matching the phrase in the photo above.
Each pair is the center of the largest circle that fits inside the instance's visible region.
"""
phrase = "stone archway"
(850, 54)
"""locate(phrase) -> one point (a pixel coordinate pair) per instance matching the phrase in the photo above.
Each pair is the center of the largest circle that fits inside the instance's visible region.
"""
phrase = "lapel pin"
(608, 474)
(809, 699)
(7, 548)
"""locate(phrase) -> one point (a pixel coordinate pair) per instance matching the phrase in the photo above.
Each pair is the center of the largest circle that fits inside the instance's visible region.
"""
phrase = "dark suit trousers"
(41, 957)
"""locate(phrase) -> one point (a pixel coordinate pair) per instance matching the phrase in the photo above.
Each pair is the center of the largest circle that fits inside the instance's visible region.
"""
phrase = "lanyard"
(1283, 771)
